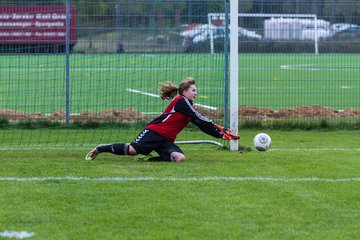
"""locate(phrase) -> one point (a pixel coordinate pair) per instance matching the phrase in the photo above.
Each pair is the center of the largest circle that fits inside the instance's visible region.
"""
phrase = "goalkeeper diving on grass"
(160, 134)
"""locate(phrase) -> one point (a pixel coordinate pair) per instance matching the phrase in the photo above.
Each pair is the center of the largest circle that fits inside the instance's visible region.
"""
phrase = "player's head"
(185, 84)
(187, 88)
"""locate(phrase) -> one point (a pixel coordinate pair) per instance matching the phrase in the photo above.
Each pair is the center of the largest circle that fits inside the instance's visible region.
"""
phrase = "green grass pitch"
(304, 187)
(117, 81)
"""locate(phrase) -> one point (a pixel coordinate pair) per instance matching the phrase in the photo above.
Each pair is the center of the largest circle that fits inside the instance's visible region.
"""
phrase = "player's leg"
(168, 152)
(116, 148)
(173, 157)
(144, 143)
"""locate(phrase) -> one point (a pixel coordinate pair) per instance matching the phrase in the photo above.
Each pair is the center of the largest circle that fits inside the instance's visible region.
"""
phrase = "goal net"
(273, 27)
(89, 72)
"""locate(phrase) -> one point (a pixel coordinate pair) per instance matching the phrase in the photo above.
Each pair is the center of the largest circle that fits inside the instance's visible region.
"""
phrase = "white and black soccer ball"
(262, 142)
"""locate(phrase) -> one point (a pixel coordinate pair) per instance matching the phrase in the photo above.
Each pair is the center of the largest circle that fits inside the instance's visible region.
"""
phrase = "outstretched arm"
(205, 124)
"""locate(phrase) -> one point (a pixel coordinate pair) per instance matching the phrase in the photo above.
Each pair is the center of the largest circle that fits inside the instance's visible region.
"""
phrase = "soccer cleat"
(92, 154)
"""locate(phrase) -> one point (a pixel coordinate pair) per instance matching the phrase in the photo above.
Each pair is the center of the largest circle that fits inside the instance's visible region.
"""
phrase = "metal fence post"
(67, 68)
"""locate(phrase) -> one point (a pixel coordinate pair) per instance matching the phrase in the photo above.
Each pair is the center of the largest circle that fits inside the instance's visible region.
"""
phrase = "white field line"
(142, 93)
(172, 179)
(157, 96)
(313, 149)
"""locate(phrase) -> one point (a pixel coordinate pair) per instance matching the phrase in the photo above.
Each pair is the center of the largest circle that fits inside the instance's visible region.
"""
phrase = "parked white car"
(198, 29)
(339, 27)
(202, 33)
(310, 33)
(247, 33)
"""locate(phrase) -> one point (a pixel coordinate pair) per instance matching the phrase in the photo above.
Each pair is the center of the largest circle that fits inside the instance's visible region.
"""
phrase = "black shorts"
(148, 141)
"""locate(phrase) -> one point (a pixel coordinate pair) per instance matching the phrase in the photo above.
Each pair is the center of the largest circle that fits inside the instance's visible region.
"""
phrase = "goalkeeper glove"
(226, 134)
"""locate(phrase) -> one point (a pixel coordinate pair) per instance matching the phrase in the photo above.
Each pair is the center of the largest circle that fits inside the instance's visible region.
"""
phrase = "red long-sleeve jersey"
(177, 115)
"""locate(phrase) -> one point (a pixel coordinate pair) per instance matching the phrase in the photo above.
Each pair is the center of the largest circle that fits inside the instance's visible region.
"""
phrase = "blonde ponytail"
(168, 90)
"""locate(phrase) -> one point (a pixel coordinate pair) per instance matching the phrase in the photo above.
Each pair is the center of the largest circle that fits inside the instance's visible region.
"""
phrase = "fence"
(81, 61)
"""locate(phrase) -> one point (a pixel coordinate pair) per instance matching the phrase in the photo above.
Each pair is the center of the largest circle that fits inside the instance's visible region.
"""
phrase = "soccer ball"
(262, 142)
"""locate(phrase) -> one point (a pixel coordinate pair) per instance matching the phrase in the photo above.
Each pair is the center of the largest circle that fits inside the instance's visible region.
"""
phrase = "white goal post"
(234, 56)
(309, 20)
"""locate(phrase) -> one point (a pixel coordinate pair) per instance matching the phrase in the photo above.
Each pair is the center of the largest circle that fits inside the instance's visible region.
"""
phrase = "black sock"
(165, 158)
(116, 148)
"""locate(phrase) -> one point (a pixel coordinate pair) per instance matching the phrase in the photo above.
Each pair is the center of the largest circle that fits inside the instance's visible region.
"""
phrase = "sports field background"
(36, 83)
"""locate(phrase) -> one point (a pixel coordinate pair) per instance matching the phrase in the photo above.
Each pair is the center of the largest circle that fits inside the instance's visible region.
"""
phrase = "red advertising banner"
(36, 24)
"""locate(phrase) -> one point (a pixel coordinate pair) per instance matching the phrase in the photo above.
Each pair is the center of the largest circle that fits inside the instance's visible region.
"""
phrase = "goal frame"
(234, 56)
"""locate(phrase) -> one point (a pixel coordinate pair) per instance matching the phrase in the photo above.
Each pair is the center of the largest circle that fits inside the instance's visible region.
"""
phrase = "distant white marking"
(314, 67)
(143, 93)
(157, 96)
(174, 179)
(300, 67)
